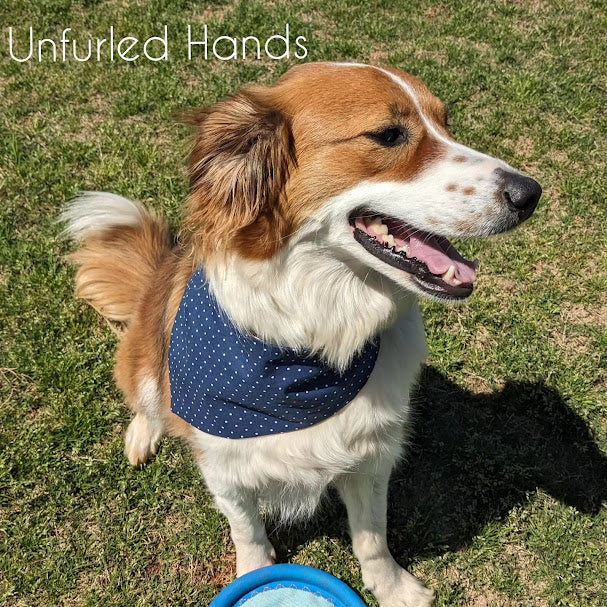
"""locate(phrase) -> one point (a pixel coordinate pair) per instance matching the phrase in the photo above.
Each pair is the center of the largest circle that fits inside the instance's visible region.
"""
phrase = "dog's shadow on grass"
(472, 458)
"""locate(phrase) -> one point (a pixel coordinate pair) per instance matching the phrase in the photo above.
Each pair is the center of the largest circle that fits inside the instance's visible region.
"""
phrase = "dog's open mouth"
(432, 261)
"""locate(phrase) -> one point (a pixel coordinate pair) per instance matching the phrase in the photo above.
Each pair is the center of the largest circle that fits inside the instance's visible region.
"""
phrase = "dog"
(318, 213)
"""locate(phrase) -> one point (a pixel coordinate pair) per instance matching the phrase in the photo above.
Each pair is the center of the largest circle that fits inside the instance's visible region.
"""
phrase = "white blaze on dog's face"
(361, 162)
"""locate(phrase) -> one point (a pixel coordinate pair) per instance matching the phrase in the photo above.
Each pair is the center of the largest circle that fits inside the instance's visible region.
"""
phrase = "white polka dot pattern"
(229, 384)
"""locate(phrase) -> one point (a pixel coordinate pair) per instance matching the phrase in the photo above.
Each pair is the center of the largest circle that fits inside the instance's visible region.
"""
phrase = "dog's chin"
(421, 262)
(435, 292)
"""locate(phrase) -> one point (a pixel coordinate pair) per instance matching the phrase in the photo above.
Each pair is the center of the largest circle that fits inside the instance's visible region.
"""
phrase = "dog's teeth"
(389, 240)
(378, 227)
(455, 282)
(449, 274)
(404, 248)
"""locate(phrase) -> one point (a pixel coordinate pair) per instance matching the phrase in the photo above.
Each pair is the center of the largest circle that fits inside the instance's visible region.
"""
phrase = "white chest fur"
(289, 472)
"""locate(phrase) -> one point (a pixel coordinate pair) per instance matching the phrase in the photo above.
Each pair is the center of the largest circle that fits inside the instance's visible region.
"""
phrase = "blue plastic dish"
(287, 586)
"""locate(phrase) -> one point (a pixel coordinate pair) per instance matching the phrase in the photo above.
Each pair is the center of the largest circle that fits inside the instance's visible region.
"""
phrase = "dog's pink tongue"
(439, 254)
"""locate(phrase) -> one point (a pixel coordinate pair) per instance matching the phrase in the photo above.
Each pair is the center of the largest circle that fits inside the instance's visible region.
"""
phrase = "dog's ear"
(239, 165)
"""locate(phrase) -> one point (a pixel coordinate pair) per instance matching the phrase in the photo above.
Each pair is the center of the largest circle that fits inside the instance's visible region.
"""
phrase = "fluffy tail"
(122, 244)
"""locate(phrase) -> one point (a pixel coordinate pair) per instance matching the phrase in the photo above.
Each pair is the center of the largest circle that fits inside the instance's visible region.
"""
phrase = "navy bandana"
(229, 384)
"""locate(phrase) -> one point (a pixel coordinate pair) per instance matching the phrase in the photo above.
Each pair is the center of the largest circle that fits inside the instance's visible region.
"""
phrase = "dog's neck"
(303, 298)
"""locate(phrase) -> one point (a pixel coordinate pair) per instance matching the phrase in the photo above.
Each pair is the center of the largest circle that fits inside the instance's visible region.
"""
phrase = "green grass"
(502, 498)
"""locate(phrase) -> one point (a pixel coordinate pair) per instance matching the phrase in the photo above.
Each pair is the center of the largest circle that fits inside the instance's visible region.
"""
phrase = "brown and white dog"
(320, 209)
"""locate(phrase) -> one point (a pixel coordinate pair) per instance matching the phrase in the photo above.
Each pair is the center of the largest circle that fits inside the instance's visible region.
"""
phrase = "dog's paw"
(141, 440)
(408, 591)
(254, 556)
(417, 596)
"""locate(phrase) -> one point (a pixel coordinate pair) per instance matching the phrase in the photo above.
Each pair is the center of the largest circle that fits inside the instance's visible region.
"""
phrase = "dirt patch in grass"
(532, 6)
(585, 314)
(213, 13)
(525, 146)
(524, 562)
(440, 57)
(317, 18)
(489, 599)
(218, 573)
(570, 344)
(474, 595)
(507, 285)
(481, 385)
(435, 11)
(379, 57)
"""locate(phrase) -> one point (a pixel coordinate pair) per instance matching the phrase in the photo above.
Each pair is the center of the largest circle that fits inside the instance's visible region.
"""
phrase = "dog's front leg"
(253, 549)
(365, 493)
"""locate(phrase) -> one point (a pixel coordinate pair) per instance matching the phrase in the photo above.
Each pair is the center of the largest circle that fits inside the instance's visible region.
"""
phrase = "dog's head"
(358, 159)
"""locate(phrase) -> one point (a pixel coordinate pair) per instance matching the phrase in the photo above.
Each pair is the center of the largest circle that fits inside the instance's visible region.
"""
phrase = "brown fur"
(242, 156)
(117, 265)
(144, 349)
(130, 274)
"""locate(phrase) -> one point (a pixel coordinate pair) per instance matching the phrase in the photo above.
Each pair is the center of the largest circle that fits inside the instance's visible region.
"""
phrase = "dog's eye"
(391, 137)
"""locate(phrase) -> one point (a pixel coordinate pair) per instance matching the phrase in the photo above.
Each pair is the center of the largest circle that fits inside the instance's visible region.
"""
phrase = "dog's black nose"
(520, 193)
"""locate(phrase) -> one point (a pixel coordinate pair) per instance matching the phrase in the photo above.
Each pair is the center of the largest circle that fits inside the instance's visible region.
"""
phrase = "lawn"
(502, 498)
